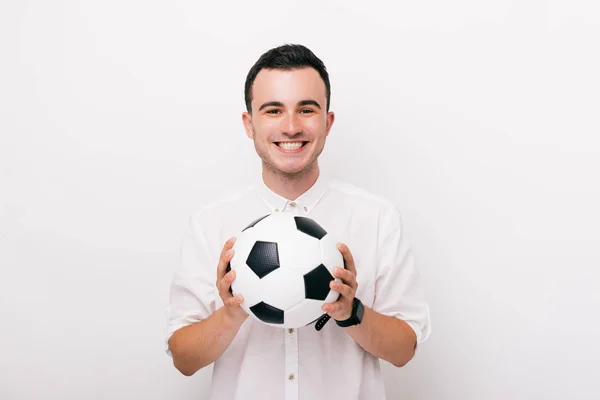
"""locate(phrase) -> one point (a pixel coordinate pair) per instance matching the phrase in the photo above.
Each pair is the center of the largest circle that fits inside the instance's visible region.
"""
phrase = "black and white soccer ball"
(284, 265)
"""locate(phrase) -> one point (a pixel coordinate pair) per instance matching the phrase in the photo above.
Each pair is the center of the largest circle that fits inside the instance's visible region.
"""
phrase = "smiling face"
(289, 121)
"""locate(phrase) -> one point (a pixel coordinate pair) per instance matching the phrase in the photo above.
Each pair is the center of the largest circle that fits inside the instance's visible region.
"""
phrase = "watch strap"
(354, 319)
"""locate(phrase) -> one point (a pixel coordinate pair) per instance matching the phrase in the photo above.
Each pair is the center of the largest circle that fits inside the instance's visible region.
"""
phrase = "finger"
(348, 258)
(346, 276)
(235, 301)
(342, 289)
(225, 285)
(335, 307)
(331, 308)
(224, 266)
(225, 257)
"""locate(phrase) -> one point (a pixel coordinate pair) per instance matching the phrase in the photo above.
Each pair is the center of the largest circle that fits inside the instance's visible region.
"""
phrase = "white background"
(480, 120)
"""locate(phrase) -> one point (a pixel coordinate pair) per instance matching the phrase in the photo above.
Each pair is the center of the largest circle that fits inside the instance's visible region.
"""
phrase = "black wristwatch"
(357, 314)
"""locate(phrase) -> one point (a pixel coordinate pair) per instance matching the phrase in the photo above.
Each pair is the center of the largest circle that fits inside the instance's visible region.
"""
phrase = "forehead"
(288, 85)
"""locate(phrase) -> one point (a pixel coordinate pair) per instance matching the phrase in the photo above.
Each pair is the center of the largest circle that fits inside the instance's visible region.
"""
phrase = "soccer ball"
(284, 264)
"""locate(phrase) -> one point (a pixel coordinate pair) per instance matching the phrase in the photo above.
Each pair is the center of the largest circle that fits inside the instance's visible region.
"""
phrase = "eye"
(306, 111)
(273, 111)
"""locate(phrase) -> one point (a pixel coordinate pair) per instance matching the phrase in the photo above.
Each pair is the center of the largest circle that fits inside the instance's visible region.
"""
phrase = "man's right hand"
(224, 280)
(215, 332)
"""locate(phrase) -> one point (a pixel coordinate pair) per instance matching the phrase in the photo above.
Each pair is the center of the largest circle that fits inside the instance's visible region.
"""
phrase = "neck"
(290, 186)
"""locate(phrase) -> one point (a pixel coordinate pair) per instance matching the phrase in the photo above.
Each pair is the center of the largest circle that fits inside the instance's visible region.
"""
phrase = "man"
(381, 312)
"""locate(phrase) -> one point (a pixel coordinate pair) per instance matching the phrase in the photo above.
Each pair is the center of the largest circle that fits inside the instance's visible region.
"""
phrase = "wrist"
(233, 318)
(344, 317)
(355, 317)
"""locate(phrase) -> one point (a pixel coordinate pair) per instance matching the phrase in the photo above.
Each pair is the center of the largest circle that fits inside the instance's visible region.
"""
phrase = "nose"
(291, 125)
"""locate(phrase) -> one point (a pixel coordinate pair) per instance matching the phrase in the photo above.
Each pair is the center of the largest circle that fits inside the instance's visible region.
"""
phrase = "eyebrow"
(300, 103)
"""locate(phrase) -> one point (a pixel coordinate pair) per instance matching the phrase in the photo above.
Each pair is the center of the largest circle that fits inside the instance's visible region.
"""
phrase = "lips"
(290, 146)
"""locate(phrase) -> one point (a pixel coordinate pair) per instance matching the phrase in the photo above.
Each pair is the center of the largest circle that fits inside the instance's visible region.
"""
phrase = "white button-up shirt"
(269, 363)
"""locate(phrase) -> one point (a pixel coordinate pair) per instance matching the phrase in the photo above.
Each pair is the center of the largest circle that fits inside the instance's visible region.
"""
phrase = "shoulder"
(225, 205)
(360, 197)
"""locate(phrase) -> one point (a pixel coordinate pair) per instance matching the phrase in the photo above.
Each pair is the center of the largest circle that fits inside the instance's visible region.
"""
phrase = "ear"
(330, 119)
(247, 120)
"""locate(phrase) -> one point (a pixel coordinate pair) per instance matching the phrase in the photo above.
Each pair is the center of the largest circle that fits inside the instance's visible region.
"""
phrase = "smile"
(290, 146)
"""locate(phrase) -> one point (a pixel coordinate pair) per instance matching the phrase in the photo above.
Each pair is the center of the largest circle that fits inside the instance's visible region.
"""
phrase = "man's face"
(289, 121)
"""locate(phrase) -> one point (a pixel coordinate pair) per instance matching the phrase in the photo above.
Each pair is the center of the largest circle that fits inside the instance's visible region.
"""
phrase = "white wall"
(478, 119)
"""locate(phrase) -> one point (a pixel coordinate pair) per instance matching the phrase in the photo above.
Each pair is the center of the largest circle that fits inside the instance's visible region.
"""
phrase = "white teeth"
(290, 145)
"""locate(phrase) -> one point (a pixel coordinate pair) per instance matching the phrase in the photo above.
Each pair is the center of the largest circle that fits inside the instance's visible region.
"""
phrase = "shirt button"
(292, 205)
(291, 330)
(291, 377)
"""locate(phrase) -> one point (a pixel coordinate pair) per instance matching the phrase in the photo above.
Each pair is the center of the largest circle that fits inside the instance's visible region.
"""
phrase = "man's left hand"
(341, 309)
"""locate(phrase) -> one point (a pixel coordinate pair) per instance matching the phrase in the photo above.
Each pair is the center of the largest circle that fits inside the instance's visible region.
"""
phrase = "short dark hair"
(286, 57)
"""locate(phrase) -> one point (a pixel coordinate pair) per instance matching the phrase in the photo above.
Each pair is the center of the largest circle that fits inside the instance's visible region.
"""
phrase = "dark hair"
(286, 57)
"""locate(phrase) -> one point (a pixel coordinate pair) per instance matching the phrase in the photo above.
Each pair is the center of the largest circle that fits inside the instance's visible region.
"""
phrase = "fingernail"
(232, 240)
(340, 246)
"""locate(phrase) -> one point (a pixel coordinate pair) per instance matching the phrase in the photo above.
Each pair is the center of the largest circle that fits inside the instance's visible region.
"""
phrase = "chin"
(289, 170)
(292, 171)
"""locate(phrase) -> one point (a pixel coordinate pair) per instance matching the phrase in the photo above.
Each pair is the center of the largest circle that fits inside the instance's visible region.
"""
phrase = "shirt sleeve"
(192, 293)
(398, 289)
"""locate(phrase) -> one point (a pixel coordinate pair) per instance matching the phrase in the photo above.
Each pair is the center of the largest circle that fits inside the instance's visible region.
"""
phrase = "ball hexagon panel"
(301, 254)
(246, 279)
(306, 312)
(272, 228)
(331, 258)
(330, 255)
(263, 258)
(282, 288)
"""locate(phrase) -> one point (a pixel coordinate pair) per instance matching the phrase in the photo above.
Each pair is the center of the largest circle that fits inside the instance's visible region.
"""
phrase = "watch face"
(360, 310)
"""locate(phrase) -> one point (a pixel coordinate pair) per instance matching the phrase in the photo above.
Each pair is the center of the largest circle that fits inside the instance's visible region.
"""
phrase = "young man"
(381, 312)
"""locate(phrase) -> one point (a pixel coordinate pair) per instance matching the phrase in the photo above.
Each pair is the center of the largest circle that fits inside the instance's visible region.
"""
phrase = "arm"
(199, 344)
(385, 337)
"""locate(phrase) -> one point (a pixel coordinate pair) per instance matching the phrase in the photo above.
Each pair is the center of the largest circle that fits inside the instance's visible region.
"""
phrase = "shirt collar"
(305, 202)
